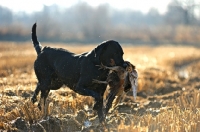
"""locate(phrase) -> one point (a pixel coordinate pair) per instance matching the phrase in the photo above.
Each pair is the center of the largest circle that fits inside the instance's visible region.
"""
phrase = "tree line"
(83, 23)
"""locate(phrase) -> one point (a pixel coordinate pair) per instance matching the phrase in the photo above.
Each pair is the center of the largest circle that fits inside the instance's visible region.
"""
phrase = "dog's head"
(109, 53)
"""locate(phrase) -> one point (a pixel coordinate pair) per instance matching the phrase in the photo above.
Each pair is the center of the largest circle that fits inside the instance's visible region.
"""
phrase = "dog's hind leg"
(44, 95)
(36, 92)
(46, 86)
(44, 82)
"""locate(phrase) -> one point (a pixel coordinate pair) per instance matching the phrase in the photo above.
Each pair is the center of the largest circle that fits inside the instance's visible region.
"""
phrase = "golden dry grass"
(167, 75)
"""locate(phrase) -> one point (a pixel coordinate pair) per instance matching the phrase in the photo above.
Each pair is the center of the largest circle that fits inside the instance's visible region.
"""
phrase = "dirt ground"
(168, 96)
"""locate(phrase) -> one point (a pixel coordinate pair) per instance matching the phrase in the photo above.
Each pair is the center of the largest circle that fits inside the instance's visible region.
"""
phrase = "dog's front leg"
(98, 106)
(98, 100)
(83, 90)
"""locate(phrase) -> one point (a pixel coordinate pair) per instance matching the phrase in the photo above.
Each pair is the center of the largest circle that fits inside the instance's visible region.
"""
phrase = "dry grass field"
(168, 93)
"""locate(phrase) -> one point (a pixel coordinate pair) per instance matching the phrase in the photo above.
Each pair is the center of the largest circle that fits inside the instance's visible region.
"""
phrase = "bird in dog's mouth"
(117, 80)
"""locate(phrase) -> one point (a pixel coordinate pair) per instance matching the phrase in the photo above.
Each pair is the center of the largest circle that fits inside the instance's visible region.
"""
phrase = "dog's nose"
(125, 65)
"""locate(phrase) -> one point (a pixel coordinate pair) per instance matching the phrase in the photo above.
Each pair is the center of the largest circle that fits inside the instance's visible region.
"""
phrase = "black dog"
(55, 67)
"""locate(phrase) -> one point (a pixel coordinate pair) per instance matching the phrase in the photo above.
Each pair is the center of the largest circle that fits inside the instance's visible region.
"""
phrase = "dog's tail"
(36, 44)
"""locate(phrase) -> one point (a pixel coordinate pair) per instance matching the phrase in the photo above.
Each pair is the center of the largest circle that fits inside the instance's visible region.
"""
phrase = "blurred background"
(151, 22)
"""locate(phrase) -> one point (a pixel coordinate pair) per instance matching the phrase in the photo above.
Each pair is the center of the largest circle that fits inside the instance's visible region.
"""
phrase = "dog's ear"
(109, 53)
(98, 51)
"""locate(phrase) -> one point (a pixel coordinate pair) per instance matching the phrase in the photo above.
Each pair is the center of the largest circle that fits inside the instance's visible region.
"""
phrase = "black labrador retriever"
(55, 67)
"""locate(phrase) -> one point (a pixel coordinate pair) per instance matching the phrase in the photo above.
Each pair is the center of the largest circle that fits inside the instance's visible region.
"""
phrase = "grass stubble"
(168, 76)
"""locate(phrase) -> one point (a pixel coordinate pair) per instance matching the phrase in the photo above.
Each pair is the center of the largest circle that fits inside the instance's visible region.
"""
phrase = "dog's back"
(60, 63)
